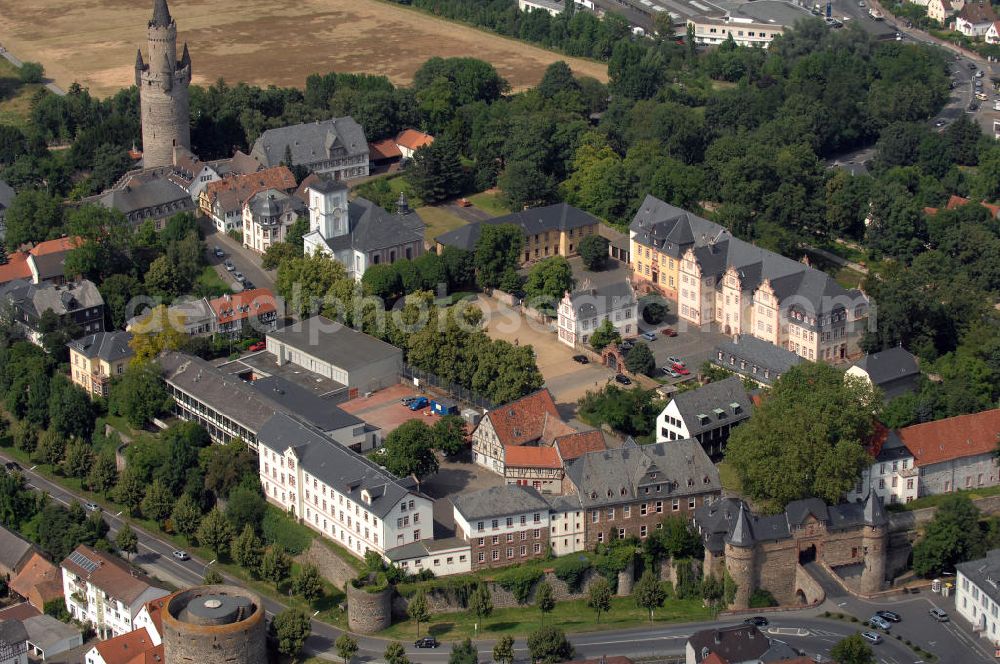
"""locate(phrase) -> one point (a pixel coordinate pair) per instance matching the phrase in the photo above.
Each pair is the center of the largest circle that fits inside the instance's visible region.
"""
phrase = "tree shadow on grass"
(437, 629)
(500, 626)
(9, 87)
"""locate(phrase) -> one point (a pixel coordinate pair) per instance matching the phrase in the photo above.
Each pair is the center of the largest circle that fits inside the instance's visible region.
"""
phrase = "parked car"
(673, 359)
(426, 642)
(940, 123)
(759, 621)
(891, 616)
(406, 401)
(464, 202)
(229, 265)
(973, 107)
(181, 555)
(979, 74)
(248, 285)
(260, 345)
(582, 359)
(871, 637)
(667, 371)
(219, 253)
(880, 622)
(971, 65)
(12, 466)
(682, 370)
(418, 403)
(648, 336)
(92, 507)
(238, 276)
(668, 332)
(939, 615)
(624, 380)
(626, 345)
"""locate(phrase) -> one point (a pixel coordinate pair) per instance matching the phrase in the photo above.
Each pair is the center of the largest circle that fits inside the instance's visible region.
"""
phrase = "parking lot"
(385, 410)
(692, 345)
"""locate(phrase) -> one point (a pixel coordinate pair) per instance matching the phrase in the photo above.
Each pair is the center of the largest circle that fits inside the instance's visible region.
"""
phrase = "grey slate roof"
(611, 477)
(335, 343)
(35, 299)
(373, 228)
(6, 196)
(273, 203)
(13, 548)
(591, 302)
(984, 573)
(717, 522)
(874, 515)
(46, 632)
(348, 472)
(108, 346)
(742, 535)
(310, 142)
(12, 632)
(499, 501)
(890, 365)
(567, 503)
(49, 266)
(673, 231)
(893, 448)
(757, 353)
(160, 197)
(737, 643)
(708, 399)
(322, 413)
(532, 221)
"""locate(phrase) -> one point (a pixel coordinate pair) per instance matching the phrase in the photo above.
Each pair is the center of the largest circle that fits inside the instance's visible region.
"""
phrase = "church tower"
(163, 91)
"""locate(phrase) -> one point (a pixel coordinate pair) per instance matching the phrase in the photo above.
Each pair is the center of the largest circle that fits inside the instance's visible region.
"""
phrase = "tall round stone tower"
(740, 552)
(208, 624)
(163, 91)
(874, 543)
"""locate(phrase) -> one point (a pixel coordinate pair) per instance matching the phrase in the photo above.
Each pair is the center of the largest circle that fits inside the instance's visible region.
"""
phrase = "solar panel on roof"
(83, 561)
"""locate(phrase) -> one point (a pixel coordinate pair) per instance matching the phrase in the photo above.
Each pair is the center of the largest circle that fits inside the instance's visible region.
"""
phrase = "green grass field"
(490, 201)
(730, 480)
(438, 221)
(570, 616)
(934, 501)
(15, 97)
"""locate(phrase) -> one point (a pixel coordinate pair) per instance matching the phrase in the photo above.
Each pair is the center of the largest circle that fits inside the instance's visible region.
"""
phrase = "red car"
(260, 345)
(668, 332)
(681, 369)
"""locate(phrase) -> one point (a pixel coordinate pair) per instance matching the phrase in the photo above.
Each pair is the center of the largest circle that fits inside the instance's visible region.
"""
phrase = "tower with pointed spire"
(163, 82)
(874, 541)
(741, 561)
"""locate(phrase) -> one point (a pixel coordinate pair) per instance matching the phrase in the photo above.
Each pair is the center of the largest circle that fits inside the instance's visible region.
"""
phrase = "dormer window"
(735, 407)
(624, 491)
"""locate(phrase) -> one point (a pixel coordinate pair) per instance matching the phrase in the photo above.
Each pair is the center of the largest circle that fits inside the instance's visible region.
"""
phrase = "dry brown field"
(259, 41)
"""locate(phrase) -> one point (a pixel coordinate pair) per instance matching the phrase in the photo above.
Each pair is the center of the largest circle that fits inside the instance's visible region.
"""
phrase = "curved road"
(803, 629)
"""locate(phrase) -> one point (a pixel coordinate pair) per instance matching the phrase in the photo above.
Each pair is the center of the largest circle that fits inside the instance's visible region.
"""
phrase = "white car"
(673, 359)
(181, 555)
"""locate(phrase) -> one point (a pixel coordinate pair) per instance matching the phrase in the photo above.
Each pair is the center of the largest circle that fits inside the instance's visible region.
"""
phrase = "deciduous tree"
(544, 599)
(952, 536)
(346, 647)
(127, 541)
(599, 597)
(852, 650)
(498, 250)
(417, 610)
(186, 516)
(292, 628)
(604, 335)
(275, 564)
(547, 282)
(548, 645)
(503, 651)
(395, 653)
(409, 450)
(215, 533)
(640, 360)
(649, 593)
(593, 250)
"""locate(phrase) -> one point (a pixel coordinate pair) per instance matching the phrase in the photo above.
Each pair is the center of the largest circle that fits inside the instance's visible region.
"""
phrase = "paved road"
(804, 629)
(246, 261)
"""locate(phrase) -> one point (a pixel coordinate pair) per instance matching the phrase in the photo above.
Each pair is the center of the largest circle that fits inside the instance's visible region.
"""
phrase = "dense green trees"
(853, 650)
(632, 412)
(604, 335)
(952, 536)
(640, 360)
(549, 280)
(497, 253)
(409, 450)
(806, 438)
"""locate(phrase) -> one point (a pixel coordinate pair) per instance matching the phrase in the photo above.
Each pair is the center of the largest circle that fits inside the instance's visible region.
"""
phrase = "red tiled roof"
(957, 202)
(37, 573)
(553, 428)
(413, 139)
(384, 149)
(126, 648)
(300, 193)
(953, 438)
(577, 444)
(978, 11)
(714, 658)
(244, 304)
(15, 268)
(56, 246)
(112, 575)
(523, 421)
(232, 192)
(527, 456)
(21, 611)
(153, 656)
(153, 608)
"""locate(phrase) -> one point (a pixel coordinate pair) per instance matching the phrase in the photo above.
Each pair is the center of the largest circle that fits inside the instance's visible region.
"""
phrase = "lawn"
(15, 97)
(934, 501)
(490, 201)
(210, 283)
(730, 480)
(571, 616)
(438, 221)
(849, 278)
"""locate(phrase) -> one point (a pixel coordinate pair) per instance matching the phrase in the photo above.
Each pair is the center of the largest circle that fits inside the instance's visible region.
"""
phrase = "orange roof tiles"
(523, 421)
(577, 444)
(953, 438)
(21, 611)
(153, 656)
(384, 149)
(38, 574)
(154, 609)
(56, 246)
(233, 192)
(244, 304)
(526, 456)
(413, 139)
(126, 648)
(15, 268)
(553, 428)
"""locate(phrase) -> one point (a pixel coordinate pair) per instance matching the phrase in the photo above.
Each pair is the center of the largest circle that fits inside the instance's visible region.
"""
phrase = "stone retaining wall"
(332, 567)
